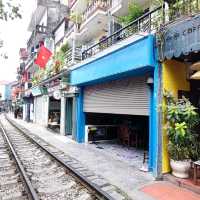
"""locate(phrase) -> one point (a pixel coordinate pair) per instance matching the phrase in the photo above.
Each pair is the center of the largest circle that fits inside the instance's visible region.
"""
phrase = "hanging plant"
(76, 18)
(64, 48)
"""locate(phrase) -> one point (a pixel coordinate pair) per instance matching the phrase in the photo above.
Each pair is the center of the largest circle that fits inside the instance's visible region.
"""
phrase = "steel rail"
(29, 187)
(77, 174)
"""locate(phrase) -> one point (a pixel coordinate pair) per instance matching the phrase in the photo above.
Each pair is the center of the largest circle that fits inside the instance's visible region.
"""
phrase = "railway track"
(46, 176)
(14, 184)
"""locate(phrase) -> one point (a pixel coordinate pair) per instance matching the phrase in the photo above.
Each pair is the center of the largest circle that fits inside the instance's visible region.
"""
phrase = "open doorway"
(126, 137)
(69, 116)
(54, 114)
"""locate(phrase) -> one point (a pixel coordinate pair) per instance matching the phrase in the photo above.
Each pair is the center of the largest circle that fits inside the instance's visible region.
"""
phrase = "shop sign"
(182, 38)
(39, 90)
(36, 91)
(71, 91)
(52, 89)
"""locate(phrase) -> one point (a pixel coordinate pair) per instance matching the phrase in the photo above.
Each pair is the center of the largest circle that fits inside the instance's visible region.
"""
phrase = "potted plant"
(181, 119)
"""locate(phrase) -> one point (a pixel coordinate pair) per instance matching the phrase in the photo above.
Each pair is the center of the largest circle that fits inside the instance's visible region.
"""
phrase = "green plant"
(64, 48)
(181, 119)
(134, 11)
(76, 18)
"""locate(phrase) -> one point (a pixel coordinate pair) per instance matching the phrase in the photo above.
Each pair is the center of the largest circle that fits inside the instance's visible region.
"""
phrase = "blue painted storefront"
(137, 58)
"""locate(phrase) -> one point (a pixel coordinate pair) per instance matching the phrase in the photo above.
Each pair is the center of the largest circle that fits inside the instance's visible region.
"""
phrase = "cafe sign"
(182, 37)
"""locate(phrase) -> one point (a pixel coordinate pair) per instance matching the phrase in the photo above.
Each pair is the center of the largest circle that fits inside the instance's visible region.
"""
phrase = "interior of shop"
(192, 63)
(54, 114)
(125, 136)
(128, 130)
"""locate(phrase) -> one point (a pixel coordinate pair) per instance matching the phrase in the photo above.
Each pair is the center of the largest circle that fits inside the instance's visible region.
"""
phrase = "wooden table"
(196, 166)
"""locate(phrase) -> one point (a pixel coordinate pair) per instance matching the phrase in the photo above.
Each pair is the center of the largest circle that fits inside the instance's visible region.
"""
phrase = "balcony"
(37, 35)
(69, 35)
(77, 6)
(94, 21)
(95, 6)
(118, 7)
(72, 57)
(144, 25)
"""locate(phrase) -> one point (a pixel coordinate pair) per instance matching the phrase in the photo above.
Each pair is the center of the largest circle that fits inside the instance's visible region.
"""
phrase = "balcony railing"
(146, 23)
(37, 34)
(95, 5)
(71, 3)
(72, 57)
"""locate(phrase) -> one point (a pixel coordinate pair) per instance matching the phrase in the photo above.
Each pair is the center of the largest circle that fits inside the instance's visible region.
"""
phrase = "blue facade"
(135, 59)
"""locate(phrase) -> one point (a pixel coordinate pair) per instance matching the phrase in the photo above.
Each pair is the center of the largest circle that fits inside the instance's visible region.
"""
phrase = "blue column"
(151, 130)
(154, 124)
(154, 137)
(80, 117)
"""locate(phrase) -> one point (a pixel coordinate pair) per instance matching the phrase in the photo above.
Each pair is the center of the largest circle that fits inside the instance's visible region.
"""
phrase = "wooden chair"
(124, 135)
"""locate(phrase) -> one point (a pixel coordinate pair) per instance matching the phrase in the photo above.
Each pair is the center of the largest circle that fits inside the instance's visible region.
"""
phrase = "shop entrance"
(128, 130)
(117, 117)
(54, 114)
(125, 137)
(69, 115)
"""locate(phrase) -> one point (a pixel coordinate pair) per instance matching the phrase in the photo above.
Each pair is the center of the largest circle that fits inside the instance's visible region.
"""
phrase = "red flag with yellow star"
(43, 57)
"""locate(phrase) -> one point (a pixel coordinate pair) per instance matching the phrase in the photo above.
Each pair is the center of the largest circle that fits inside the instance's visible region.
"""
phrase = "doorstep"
(168, 191)
(184, 183)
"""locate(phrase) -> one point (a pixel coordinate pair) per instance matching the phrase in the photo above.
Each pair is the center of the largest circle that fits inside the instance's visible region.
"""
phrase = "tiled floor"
(185, 183)
(131, 155)
(167, 191)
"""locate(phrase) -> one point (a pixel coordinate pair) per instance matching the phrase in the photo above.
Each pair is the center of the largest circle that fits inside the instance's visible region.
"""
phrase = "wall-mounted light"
(150, 81)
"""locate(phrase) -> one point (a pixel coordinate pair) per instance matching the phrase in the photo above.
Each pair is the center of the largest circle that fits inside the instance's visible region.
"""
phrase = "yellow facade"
(174, 79)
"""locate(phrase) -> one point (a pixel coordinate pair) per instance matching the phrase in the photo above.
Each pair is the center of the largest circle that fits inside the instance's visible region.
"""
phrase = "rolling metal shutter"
(127, 96)
(39, 110)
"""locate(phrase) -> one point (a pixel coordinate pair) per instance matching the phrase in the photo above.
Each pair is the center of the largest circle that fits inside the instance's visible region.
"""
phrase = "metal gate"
(127, 96)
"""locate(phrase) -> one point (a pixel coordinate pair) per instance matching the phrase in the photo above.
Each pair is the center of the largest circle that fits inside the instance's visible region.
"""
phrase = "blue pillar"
(80, 118)
(151, 130)
(154, 135)
(154, 138)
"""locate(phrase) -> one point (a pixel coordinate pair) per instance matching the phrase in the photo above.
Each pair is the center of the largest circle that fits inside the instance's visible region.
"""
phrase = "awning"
(182, 38)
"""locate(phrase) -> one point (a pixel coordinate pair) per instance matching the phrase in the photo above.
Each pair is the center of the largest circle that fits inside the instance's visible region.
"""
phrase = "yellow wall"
(174, 79)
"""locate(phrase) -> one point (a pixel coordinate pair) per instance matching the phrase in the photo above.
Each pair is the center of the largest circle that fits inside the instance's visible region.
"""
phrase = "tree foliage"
(134, 11)
(9, 10)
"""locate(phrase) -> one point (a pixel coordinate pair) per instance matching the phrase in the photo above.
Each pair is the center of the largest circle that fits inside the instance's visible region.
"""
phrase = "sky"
(15, 35)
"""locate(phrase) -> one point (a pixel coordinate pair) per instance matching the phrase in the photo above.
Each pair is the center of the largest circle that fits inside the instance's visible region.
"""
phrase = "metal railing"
(96, 4)
(72, 56)
(144, 24)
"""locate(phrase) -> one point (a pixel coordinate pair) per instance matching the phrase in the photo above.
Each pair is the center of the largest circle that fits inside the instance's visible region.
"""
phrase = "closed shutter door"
(128, 96)
(39, 110)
